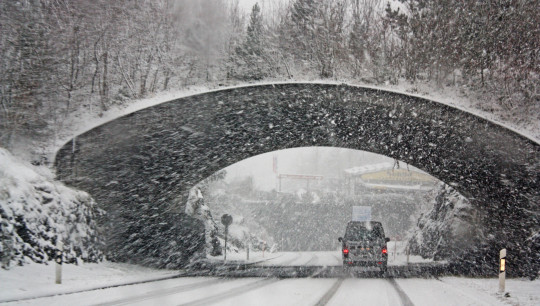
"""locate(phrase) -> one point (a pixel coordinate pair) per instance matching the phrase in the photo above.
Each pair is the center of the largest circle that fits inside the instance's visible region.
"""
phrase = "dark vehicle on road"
(364, 244)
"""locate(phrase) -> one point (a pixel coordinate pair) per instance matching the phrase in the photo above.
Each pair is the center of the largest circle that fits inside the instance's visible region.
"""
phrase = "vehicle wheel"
(384, 269)
(346, 267)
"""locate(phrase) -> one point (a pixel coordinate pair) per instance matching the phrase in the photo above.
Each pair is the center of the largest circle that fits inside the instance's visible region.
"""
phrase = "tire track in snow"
(286, 262)
(95, 288)
(338, 258)
(402, 295)
(330, 293)
(164, 292)
(314, 258)
(233, 292)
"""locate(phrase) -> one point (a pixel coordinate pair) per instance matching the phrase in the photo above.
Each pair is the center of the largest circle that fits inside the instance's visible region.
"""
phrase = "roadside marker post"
(247, 249)
(226, 234)
(59, 259)
(408, 252)
(502, 270)
(395, 248)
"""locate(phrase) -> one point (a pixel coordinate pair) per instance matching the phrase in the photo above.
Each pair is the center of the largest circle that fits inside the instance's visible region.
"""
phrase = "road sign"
(226, 220)
(361, 213)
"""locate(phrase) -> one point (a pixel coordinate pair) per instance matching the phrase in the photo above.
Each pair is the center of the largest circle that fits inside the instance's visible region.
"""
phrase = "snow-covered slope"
(456, 231)
(448, 228)
(35, 210)
(197, 208)
(239, 232)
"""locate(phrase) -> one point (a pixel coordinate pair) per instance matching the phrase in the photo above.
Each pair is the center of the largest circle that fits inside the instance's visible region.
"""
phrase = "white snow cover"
(448, 229)
(369, 168)
(396, 257)
(35, 210)
(35, 280)
(469, 291)
(197, 208)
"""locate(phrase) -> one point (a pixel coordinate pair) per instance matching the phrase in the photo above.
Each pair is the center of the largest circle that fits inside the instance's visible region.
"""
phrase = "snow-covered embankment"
(35, 210)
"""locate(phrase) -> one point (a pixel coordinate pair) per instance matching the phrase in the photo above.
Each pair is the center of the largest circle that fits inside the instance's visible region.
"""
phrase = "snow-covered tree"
(313, 34)
(36, 211)
(251, 59)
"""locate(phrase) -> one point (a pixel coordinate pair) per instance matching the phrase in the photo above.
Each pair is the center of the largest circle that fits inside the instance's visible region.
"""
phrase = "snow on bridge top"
(85, 122)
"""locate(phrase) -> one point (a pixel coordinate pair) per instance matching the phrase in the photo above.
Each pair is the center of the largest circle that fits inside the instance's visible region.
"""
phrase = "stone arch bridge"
(140, 167)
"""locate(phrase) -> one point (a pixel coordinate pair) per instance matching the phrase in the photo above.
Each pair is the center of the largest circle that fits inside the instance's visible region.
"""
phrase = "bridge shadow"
(232, 270)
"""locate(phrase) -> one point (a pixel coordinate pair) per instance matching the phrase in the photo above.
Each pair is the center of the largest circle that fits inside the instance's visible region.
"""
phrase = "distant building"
(386, 177)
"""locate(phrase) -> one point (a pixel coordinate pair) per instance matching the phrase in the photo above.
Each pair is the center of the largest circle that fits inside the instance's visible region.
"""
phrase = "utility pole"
(247, 249)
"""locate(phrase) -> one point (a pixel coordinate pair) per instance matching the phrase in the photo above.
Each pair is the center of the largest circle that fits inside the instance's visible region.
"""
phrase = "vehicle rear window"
(356, 232)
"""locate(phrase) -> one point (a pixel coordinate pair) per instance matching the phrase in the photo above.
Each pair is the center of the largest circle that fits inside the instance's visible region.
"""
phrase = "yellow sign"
(503, 264)
(398, 175)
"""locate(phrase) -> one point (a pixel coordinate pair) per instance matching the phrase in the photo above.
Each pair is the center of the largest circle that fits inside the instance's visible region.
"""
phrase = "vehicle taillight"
(384, 251)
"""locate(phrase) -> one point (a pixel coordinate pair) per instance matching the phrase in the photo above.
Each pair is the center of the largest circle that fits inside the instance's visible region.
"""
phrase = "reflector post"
(502, 270)
(59, 257)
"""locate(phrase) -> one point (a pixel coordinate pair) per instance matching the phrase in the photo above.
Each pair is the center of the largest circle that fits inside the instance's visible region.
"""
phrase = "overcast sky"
(248, 4)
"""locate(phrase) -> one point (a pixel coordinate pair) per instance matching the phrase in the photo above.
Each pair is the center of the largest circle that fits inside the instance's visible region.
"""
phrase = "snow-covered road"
(123, 284)
(303, 259)
(292, 291)
(396, 257)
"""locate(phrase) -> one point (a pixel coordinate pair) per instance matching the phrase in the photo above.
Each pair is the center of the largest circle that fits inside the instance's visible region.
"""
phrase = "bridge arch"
(137, 165)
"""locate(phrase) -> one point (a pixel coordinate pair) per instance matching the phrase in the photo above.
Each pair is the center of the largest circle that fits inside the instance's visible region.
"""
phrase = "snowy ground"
(240, 257)
(33, 280)
(38, 280)
(397, 254)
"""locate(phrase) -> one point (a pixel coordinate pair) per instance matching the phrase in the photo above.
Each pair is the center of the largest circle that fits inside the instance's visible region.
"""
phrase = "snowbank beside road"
(35, 280)
(520, 291)
(240, 257)
(449, 229)
(35, 210)
(470, 291)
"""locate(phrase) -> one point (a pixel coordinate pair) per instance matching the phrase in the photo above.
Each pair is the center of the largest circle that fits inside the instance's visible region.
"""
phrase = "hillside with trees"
(61, 58)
